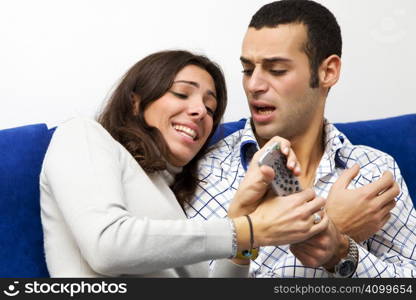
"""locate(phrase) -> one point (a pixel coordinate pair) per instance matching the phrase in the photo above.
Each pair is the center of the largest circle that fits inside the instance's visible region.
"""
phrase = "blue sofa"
(22, 150)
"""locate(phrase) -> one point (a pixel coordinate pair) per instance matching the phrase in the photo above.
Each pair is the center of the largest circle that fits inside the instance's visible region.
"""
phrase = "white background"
(62, 58)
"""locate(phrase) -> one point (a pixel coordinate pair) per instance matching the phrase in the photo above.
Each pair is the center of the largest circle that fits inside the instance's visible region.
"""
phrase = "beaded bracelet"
(234, 245)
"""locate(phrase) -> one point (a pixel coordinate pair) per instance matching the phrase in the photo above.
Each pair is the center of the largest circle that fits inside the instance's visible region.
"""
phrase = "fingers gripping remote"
(284, 182)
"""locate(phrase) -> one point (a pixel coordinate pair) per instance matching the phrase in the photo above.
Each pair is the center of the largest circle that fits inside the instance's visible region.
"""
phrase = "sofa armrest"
(22, 150)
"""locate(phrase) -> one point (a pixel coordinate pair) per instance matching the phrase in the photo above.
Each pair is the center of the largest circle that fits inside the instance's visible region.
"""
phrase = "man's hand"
(323, 249)
(361, 212)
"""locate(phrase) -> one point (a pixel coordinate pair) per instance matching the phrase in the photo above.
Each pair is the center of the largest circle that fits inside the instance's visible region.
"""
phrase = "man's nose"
(257, 83)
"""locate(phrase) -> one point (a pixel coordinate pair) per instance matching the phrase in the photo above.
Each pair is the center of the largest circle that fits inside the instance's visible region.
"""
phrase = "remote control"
(284, 182)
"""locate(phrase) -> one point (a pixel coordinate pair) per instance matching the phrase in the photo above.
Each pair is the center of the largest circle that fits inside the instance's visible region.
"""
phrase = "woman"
(111, 192)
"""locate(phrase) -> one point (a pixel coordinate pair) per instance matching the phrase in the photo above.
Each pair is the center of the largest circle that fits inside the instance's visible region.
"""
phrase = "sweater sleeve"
(225, 268)
(83, 170)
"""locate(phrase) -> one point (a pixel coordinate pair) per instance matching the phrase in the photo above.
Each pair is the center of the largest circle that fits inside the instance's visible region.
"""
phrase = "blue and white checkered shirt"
(391, 252)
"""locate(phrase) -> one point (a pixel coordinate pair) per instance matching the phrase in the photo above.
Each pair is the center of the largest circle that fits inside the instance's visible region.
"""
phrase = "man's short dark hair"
(324, 34)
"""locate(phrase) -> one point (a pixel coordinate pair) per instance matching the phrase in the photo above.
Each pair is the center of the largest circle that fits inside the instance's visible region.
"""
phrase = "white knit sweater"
(102, 215)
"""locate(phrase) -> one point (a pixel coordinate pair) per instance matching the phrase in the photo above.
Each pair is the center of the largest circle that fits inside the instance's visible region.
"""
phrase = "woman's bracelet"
(252, 253)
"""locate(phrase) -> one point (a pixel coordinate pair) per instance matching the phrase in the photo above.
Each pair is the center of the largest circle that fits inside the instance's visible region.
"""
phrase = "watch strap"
(352, 257)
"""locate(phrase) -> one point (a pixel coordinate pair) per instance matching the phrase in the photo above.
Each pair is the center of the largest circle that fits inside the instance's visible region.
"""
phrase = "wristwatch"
(346, 266)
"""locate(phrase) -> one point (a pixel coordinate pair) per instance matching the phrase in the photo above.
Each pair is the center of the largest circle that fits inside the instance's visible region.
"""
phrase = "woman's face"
(184, 114)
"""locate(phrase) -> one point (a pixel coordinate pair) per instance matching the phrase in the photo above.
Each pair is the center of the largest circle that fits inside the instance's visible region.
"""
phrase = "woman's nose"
(197, 109)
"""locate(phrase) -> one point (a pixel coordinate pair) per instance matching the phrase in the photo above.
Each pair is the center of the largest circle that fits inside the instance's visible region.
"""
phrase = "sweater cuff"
(219, 238)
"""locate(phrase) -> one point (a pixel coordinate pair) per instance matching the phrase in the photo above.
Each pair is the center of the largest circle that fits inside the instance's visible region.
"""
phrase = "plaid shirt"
(391, 252)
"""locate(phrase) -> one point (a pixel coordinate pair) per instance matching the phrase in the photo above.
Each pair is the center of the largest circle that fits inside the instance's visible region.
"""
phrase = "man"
(291, 58)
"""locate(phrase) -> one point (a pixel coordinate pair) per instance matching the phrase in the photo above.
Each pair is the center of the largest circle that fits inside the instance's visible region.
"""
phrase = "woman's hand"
(257, 179)
(290, 219)
(282, 220)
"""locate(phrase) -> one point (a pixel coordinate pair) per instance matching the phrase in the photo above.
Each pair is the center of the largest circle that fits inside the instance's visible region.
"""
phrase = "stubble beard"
(290, 124)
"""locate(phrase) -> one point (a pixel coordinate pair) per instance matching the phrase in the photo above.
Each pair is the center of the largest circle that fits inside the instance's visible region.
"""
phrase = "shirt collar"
(248, 145)
(334, 141)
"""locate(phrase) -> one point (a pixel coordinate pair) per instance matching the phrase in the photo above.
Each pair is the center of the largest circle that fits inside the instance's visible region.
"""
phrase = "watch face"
(346, 268)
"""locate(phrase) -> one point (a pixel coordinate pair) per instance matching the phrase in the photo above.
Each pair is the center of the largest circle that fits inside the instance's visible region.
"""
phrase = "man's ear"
(135, 100)
(329, 71)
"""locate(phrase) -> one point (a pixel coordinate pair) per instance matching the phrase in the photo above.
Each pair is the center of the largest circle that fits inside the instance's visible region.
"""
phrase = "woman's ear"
(135, 100)
(329, 71)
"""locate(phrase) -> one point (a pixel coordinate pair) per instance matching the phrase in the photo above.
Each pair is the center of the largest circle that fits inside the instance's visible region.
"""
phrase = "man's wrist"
(340, 252)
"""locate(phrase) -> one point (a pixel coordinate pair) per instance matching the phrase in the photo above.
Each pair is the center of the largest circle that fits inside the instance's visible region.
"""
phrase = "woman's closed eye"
(210, 111)
(179, 95)
(278, 72)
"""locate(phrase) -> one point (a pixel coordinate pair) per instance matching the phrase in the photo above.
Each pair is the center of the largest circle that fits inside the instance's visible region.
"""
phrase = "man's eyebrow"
(245, 60)
(276, 59)
(195, 84)
(269, 60)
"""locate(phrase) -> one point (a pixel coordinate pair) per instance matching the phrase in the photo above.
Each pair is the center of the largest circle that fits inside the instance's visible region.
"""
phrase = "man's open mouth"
(264, 110)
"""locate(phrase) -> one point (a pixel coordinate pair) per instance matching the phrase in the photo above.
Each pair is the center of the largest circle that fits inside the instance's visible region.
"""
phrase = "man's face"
(276, 81)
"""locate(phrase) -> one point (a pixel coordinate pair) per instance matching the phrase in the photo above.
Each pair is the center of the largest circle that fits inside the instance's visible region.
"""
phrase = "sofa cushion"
(395, 136)
(21, 245)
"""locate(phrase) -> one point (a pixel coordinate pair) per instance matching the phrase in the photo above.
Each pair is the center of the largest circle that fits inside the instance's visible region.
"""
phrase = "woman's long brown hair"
(149, 79)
